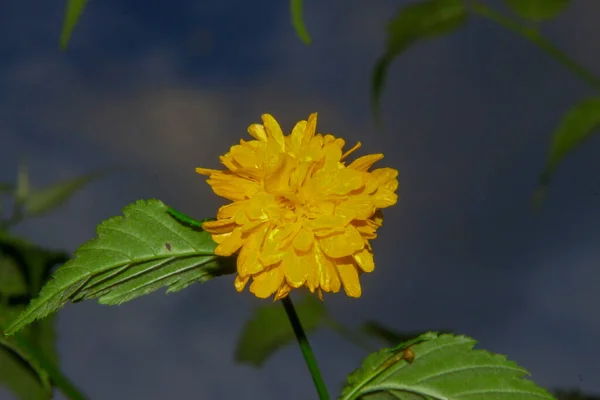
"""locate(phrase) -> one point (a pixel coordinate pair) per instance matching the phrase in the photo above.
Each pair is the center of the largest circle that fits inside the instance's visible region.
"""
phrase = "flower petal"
(283, 291)
(364, 259)
(366, 228)
(341, 245)
(206, 171)
(312, 281)
(384, 198)
(352, 150)
(332, 153)
(303, 240)
(311, 127)
(257, 131)
(271, 253)
(248, 261)
(294, 269)
(380, 177)
(296, 137)
(219, 226)
(365, 162)
(231, 244)
(329, 279)
(244, 156)
(230, 210)
(277, 178)
(328, 221)
(360, 207)
(240, 282)
(220, 237)
(267, 282)
(339, 181)
(233, 187)
(273, 130)
(349, 275)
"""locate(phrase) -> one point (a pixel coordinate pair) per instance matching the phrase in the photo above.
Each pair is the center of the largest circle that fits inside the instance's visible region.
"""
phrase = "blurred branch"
(536, 38)
(353, 337)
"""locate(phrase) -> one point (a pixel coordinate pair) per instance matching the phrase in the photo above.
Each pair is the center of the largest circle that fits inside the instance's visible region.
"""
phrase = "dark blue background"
(161, 87)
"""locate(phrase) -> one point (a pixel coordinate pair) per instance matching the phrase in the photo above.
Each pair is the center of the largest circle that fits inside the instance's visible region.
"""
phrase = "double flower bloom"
(299, 215)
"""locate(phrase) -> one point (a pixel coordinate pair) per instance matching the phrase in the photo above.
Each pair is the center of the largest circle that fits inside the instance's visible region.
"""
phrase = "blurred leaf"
(298, 21)
(423, 337)
(6, 187)
(22, 190)
(73, 12)
(269, 329)
(576, 127)
(21, 372)
(440, 367)
(133, 255)
(24, 358)
(414, 22)
(25, 266)
(537, 10)
(46, 358)
(388, 335)
(43, 200)
(13, 281)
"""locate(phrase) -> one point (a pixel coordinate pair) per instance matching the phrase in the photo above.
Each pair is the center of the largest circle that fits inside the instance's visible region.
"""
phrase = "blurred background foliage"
(28, 361)
(268, 331)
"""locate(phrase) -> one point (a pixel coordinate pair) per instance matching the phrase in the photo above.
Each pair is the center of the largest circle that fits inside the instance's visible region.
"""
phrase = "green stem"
(348, 334)
(58, 379)
(536, 38)
(307, 352)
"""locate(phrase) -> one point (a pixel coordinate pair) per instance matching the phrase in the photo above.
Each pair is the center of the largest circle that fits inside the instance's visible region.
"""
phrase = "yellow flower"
(299, 215)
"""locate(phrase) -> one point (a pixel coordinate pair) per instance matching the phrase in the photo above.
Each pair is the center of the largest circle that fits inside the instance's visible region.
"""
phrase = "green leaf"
(73, 12)
(442, 368)
(576, 127)
(269, 329)
(390, 336)
(298, 21)
(537, 10)
(414, 22)
(133, 255)
(46, 199)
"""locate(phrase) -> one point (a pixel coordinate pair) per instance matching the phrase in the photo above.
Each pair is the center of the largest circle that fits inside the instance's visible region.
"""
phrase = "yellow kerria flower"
(299, 215)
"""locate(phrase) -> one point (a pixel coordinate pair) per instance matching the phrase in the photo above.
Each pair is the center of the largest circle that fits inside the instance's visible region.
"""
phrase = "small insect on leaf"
(168, 246)
(391, 361)
(409, 355)
(186, 219)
